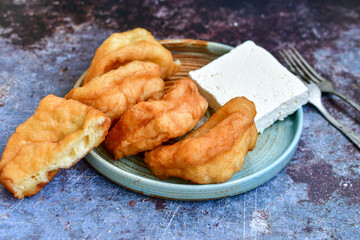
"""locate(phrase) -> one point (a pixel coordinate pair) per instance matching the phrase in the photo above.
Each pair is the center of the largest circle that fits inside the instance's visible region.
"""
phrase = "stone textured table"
(44, 48)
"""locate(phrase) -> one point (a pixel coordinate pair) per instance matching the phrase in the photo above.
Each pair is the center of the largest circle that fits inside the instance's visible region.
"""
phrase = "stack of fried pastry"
(124, 88)
(127, 68)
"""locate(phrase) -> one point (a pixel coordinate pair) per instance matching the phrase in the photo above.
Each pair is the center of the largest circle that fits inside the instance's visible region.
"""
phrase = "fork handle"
(346, 131)
(354, 104)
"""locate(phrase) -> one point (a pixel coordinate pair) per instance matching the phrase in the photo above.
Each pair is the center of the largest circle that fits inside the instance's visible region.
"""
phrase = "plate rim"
(156, 184)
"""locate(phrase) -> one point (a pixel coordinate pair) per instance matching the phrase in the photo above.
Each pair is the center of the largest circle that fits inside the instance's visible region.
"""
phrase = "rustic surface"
(45, 46)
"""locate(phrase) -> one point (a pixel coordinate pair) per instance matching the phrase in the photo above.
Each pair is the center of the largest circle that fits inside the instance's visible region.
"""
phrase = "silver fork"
(315, 95)
(324, 84)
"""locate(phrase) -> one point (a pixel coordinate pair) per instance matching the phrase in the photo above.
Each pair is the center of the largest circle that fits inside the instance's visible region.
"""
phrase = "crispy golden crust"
(212, 153)
(122, 48)
(115, 91)
(59, 134)
(147, 124)
(119, 40)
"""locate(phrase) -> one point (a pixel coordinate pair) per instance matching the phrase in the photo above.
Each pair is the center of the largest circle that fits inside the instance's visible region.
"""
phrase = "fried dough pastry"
(122, 48)
(115, 91)
(212, 153)
(58, 135)
(146, 125)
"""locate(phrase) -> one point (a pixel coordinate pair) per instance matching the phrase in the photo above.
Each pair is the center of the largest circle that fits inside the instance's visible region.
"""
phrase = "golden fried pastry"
(115, 91)
(58, 135)
(146, 125)
(122, 48)
(118, 40)
(212, 153)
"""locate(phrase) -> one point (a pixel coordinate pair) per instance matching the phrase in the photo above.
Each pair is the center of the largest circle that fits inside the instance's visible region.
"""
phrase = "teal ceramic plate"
(274, 148)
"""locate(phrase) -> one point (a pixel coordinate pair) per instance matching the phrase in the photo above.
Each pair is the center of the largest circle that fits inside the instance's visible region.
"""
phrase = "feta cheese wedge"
(251, 71)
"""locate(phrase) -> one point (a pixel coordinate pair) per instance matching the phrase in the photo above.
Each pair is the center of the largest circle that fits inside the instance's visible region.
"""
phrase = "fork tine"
(303, 67)
(312, 70)
(300, 65)
(289, 62)
(292, 69)
(294, 66)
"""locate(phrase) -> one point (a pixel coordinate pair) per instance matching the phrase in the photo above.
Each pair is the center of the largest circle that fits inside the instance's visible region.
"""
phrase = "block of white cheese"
(251, 71)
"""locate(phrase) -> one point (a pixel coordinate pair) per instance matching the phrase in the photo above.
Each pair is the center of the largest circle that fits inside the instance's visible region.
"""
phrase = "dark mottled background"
(46, 45)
